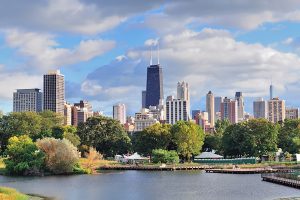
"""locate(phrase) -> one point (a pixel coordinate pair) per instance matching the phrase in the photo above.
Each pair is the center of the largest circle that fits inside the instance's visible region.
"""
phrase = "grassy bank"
(12, 194)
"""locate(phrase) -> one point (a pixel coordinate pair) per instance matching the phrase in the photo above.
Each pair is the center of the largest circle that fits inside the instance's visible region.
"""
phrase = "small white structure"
(208, 155)
(135, 158)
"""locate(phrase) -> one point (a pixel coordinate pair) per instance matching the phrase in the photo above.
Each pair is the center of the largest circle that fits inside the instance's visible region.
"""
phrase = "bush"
(61, 155)
(164, 156)
(24, 158)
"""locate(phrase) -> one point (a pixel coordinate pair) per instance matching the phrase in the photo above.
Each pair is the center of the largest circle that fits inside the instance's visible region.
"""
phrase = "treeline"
(256, 137)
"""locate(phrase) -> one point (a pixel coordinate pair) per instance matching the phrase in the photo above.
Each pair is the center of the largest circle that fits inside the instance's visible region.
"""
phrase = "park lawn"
(11, 194)
(94, 165)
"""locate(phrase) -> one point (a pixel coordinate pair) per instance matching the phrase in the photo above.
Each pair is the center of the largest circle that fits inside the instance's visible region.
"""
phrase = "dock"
(280, 180)
(152, 168)
(245, 171)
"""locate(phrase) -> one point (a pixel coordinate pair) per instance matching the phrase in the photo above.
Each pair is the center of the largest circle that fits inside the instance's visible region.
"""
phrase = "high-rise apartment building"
(260, 109)
(83, 111)
(67, 114)
(119, 113)
(276, 110)
(146, 118)
(54, 92)
(176, 109)
(229, 110)
(292, 113)
(183, 94)
(27, 100)
(210, 108)
(240, 104)
(218, 101)
(144, 93)
(154, 88)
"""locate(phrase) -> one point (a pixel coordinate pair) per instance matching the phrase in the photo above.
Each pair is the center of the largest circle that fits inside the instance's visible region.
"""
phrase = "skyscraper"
(271, 91)
(260, 109)
(154, 88)
(144, 99)
(67, 114)
(183, 94)
(276, 110)
(176, 110)
(119, 113)
(229, 110)
(27, 100)
(292, 113)
(210, 108)
(218, 101)
(240, 103)
(54, 92)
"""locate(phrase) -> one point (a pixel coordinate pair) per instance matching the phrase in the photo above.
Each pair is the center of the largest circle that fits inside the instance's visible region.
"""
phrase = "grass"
(11, 194)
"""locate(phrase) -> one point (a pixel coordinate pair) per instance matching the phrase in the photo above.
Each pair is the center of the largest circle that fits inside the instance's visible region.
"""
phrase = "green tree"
(24, 158)
(220, 126)
(60, 155)
(188, 137)
(71, 135)
(289, 136)
(157, 136)
(105, 134)
(164, 156)
(212, 142)
(255, 137)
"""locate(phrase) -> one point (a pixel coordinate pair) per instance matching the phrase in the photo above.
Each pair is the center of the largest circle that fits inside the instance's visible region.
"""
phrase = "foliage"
(11, 194)
(289, 136)
(92, 159)
(61, 155)
(212, 142)
(70, 134)
(164, 156)
(255, 137)
(188, 138)
(220, 126)
(35, 125)
(157, 136)
(24, 158)
(107, 135)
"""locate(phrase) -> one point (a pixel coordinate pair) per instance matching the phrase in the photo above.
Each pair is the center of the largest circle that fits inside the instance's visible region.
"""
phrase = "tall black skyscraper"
(154, 88)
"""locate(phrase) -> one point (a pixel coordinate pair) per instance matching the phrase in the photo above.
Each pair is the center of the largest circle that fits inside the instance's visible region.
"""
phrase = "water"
(140, 185)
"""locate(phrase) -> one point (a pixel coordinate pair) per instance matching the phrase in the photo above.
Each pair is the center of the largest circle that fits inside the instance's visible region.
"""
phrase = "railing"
(290, 178)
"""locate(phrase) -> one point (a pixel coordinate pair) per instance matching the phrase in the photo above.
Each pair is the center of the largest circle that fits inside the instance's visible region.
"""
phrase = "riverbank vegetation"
(12, 194)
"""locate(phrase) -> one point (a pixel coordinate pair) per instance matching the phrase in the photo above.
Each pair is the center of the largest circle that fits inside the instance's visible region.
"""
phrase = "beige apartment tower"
(276, 110)
(210, 108)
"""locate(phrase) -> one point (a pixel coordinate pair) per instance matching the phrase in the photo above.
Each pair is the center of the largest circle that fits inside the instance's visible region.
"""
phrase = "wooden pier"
(151, 168)
(244, 171)
(280, 180)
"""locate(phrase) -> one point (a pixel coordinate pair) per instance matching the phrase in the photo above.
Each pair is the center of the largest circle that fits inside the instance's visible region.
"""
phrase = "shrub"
(24, 158)
(61, 155)
(164, 156)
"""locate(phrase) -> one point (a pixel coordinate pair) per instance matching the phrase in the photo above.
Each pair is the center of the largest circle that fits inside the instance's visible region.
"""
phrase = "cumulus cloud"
(45, 53)
(76, 16)
(208, 60)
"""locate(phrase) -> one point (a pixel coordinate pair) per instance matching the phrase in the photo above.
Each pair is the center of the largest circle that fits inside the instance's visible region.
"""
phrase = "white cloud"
(207, 60)
(10, 81)
(288, 41)
(45, 53)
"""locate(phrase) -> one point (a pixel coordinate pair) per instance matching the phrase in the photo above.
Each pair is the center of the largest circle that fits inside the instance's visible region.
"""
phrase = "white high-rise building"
(183, 94)
(119, 112)
(54, 92)
(240, 104)
(210, 108)
(260, 109)
(176, 110)
(276, 110)
(67, 114)
(27, 100)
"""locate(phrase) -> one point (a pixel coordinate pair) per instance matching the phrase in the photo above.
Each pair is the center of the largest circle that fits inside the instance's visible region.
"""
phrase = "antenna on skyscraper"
(151, 56)
(158, 52)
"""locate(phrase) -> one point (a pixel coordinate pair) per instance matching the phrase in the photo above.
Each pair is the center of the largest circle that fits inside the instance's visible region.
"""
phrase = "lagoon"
(165, 185)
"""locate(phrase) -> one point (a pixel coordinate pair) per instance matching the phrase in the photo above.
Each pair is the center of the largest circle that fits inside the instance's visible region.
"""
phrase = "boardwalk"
(151, 168)
(245, 171)
(280, 180)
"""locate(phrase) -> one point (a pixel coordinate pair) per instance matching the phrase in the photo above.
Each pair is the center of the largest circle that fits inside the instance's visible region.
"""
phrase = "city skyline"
(104, 55)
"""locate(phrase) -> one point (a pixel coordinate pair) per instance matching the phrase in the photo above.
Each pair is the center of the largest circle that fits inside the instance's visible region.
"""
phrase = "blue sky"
(102, 48)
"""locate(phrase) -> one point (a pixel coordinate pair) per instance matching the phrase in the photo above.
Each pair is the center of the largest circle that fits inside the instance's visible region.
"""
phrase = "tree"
(220, 126)
(157, 136)
(289, 136)
(164, 156)
(255, 137)
(60, 155)
(212, 142)
(24, 158)
(105, 134)
(188, 138)
(92, 160)
(70, 134)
